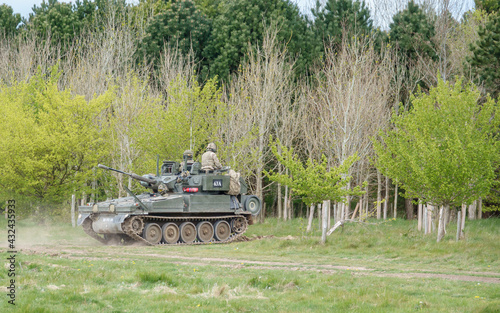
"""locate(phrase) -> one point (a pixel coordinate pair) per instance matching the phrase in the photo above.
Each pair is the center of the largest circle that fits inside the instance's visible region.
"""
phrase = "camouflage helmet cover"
(211, 146)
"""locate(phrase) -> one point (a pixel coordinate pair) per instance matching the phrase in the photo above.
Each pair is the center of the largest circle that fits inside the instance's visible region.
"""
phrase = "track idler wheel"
(137, 224)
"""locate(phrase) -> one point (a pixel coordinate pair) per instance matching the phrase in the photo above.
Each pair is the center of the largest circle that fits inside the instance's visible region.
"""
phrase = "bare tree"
(351, 98)
(260, 105)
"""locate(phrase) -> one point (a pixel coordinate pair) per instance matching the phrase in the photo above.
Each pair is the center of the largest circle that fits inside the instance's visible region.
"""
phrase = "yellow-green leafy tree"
(445, 150)
(49, 139)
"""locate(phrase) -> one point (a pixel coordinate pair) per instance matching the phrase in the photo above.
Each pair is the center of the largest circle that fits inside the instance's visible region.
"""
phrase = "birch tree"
(351, 97)
(259, 93)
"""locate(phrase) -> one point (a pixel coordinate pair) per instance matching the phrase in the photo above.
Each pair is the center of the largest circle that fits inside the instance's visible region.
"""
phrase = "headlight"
(111, 208)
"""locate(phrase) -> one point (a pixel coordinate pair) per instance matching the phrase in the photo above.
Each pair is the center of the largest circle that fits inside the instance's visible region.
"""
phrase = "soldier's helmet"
(188, 154)
(211, 146)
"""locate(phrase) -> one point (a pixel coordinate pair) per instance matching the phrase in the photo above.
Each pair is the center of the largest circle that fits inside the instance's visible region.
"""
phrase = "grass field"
(379, 267)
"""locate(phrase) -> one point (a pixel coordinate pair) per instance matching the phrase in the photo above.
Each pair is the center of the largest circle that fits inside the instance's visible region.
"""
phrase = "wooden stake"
(356, 210)
(73, 200)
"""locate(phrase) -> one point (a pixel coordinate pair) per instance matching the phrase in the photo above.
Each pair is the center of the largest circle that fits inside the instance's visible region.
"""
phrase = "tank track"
(127, 228)
(87, 228)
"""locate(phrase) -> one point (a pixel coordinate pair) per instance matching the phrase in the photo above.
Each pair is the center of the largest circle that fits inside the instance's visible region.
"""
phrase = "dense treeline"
(109, 82)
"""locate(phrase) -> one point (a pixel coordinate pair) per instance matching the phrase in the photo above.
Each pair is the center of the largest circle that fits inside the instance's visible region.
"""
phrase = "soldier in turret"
(209, 160)
(187, 157)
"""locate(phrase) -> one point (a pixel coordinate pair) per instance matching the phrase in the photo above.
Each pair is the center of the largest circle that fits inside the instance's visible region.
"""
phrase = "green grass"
(60, 269)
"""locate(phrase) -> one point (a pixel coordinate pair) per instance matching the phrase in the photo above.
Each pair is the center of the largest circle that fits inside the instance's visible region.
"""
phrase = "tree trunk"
(324, 221)
(424, 219)
(459, 225)
(464, 213)
(441, 225)
(409, 209)
(360, 208)
(319, 215)
(430, 210)
(472, 211)
(311, 215)
(447, 216)
(419, 217)
(348, 203)
(73, 205)
(262, 214)
(386, 202)
(396, 200)
(290, 205)
(480, 208)
(342, 211)
(329, 210)
(379, 194)
(279, 202)
(285, 200)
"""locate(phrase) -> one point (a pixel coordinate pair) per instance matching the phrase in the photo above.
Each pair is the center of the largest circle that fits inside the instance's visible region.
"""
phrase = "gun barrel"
(134, 176)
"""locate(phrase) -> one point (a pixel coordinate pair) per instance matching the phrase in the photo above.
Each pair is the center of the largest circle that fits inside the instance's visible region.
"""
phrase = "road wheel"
(188, 232)
(222, 230)
(152, 233)
(170, 233)
(205, 231)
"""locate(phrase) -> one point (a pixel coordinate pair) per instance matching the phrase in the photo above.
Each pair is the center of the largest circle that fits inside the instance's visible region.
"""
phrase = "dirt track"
(91, 253)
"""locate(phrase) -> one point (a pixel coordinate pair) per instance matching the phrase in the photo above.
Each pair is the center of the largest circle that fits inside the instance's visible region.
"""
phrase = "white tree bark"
(379, 195)
(459, 225)
(311, 215)
(324, 221)
(430, 221)
(396, 200)
(426, 225)
(386, 202)
(319, 215)
(419, 217)
(472, 211)
(462, 227)
(441, 225)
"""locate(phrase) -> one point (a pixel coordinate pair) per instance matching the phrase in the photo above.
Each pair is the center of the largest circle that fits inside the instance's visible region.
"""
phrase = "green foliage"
(8, 20)
(341, 17)
(210, 8)
(485, 60)
(190, 118)
(55, 19)
(411, 32)
(445, 150)
(181, 25)
(315, 181)
(242, 22)
(490, 6)
(48, 138)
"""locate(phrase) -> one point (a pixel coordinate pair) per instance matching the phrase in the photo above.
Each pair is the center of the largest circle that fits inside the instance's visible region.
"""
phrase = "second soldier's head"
(211, 147)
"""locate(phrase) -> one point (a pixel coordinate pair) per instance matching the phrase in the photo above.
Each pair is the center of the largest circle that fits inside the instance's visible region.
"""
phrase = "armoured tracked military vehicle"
(188, 207)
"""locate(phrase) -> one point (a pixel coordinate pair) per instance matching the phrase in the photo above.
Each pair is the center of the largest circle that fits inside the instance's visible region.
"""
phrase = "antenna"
(157, 165)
